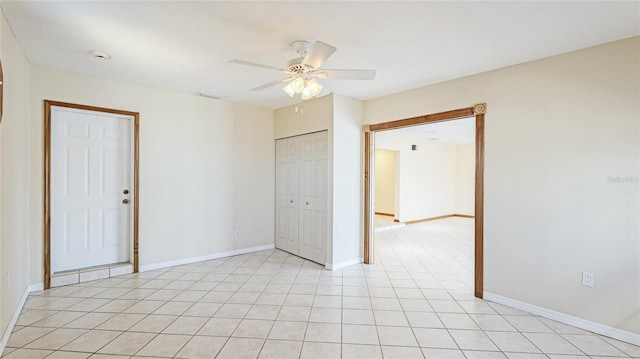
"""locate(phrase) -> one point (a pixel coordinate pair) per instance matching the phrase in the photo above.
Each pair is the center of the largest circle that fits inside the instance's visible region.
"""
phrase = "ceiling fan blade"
(346, 74)
(318, 54)
(272, 83)
(242, 62)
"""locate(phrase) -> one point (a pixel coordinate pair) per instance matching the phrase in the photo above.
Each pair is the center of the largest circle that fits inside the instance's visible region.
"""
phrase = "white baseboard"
(35, 287)
(336, 266)
(7, 333)
(598, 328)
(207, 257)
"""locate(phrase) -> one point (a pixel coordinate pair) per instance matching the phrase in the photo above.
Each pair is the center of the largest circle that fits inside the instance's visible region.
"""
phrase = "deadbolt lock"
(126, 191)
(125, 201)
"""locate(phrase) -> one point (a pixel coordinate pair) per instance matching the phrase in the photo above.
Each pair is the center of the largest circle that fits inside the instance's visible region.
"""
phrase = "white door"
(313, 197)
(287, 195)
(90, 188)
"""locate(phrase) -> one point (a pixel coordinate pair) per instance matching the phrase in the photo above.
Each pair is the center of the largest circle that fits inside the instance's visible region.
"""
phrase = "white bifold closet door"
(301, 195)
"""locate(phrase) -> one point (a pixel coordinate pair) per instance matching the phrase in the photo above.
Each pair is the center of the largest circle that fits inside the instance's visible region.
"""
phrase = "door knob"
(125, 201)
(291, 201)
(126, 191)
(307, 203)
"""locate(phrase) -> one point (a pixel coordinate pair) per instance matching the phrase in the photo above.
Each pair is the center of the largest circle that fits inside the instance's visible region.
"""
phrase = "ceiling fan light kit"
(306, 88)
(304, 69)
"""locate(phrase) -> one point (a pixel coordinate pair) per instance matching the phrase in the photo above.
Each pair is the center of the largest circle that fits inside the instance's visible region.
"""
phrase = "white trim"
(14, 319)
(7, 333)
(207, 257)
(35, 287)
(598, 328)
(132, 188)
(336, 266)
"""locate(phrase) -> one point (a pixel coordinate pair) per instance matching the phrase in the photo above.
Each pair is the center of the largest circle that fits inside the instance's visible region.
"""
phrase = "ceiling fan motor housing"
(301, 47)
(295, 66)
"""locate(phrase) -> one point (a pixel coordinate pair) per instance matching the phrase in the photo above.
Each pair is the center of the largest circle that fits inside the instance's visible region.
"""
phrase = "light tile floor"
(415, 302)
(382, 220)
(385, 223)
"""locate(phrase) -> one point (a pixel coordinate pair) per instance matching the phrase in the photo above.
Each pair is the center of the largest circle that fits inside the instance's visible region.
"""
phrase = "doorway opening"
(476, 114)
(91, 193)
(387, 185)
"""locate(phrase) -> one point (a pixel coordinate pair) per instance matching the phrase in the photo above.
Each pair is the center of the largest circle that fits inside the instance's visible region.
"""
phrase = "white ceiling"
(186, 45)
(454, 132)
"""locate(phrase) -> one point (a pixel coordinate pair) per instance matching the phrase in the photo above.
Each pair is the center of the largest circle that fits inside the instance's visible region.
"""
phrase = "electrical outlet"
(236, 234)
(587, 279)
(8, 279)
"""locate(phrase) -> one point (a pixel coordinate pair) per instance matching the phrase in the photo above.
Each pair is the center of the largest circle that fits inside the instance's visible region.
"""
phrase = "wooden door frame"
(47, 179)
(476, 111)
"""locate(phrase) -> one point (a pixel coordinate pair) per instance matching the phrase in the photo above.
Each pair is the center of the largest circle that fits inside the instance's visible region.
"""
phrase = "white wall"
(14, 175)
(427, 176)
(253, 176)
(465, 179)
(437, 179)
(195, 158)
(557, 131)
(309, 116)
(385, 181)
(348, 194)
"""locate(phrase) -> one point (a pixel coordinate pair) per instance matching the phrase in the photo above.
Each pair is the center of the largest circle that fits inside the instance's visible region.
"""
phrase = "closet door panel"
(320, 200)
(313, 201)
(287, 195)
(282, 194)
(293, 189)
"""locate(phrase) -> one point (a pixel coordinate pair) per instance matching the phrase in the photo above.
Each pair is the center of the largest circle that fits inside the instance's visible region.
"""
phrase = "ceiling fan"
(303, 70)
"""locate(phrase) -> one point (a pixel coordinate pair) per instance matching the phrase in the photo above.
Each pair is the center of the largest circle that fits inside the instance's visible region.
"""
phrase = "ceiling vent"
(208, 95)
(100, 55)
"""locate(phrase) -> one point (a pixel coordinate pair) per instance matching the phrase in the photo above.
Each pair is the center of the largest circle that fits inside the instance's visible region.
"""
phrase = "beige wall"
(385, 181)
(465, 179)
(253, 176)
(557, 131)
(14, 175)
(196, 159)
(309, 116)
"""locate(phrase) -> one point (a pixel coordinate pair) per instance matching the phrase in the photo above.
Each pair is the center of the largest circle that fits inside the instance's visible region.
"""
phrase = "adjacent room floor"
(384, 222)
(415, 302)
